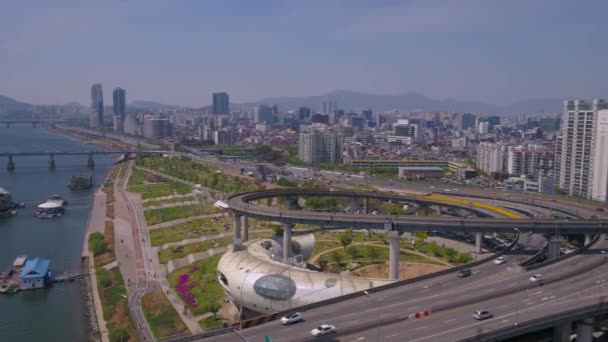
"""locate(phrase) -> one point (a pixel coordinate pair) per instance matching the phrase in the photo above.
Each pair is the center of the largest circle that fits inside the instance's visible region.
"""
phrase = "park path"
(170, 205)
(183, 220)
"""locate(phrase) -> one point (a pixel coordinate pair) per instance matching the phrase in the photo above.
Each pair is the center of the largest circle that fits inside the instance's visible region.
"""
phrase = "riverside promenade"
(96, 224)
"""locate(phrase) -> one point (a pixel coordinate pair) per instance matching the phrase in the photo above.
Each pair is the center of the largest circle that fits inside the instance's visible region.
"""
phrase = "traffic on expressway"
(441, 308)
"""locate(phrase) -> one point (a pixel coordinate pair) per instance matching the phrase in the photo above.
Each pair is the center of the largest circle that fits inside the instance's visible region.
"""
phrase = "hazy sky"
(179, 52)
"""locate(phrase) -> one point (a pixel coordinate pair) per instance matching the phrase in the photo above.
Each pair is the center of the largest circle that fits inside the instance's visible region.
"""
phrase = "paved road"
(447, 293)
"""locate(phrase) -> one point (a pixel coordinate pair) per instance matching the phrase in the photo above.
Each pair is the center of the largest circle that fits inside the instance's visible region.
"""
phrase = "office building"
(407, 132)
(483, 128)
(263, 113)
(577, 164)
(156, 128)
(96, 119)
(303, 114)
(319, 144)
(549, 124)
(466, 121)
(221, 103)
(119, 106)
(329, 107)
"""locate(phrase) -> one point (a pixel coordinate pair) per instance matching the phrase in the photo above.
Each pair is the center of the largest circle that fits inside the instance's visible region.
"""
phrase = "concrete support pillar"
(553, 247)
(366, 205)
(478, 240)
(562, 332)
(584, 330)
(245, 227)
(91, 161)
(394, 249)
(236, 226)
(587, 239)
(286, 242)
(11, 164)
(52, 162)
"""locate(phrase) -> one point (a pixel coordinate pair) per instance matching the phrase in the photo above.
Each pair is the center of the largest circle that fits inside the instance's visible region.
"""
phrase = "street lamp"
(518, 276)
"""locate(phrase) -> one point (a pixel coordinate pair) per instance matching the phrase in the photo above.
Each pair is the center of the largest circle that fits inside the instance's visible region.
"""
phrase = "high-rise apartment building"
(319, 144)
(599, 174)
(580, 139)
(304, 114)
(221, 103)
(530, 160)
(96, 119)
(491, 157)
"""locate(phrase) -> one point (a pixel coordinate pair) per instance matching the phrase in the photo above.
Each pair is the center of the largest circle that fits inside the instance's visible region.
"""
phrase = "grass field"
(138, 183)
(210, 323)
(161, 316)
(169, 201)
(155, 216)
(205, 289)
(190, 230)
(113, 295)
(181, 251)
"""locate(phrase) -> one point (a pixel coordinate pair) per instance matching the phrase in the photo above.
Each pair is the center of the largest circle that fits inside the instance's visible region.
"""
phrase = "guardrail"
(563, 257)
(543, 323)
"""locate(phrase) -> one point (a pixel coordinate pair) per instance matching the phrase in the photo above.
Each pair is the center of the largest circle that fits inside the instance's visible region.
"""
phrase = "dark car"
(465, 273)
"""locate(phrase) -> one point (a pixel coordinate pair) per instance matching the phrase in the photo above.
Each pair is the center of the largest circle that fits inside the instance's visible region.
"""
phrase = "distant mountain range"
(351, 100)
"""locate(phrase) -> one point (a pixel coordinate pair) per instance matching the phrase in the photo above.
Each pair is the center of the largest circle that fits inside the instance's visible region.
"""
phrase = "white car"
(323, 329)
(500, 260)
(537, 278)
(291, 318)
(480, 315)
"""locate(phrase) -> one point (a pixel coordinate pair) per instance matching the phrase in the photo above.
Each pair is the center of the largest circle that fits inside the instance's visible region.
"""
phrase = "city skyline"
(473, 50)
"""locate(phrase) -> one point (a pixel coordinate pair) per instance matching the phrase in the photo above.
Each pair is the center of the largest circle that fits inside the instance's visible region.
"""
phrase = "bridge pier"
(394, 252)
(52, 162)
(366, 206)
(236, 227)
(245, 227)
(587, 239)
(91, 161)
(562, 332)
(11, 164)
(553, 248)
(584, 330)
(286, 241)
(478, 241)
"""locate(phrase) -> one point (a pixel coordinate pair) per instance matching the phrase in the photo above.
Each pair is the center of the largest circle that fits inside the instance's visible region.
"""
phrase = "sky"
(180, 52)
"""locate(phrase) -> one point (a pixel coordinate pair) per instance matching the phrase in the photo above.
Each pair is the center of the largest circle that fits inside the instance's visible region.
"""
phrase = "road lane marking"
(390, 336)
(358, 339)
(505, 320)
(449, 320)
(504, 306)
(424, 327)
(535, 293)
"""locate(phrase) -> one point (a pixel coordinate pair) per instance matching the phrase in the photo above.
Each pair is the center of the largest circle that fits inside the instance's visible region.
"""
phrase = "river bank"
(59, 313)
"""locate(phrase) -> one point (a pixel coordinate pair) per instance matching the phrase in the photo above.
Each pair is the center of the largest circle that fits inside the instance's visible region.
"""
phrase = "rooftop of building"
(35, 268)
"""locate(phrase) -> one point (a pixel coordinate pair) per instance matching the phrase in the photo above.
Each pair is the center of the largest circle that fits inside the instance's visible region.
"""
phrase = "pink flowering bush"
(183, 288)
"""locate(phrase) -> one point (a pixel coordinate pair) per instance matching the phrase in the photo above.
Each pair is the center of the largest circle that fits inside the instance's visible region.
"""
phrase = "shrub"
(97, 244)
(119, 335)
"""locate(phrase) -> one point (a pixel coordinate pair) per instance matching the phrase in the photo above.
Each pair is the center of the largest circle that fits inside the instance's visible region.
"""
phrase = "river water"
(57, 313)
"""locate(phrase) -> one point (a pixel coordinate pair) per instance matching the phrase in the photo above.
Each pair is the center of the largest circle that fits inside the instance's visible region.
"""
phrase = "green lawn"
(181, 251)
(155, 216)
(206, 289)
(198, 173)
(137, 183)
(112, 293)
(169, 201)
(373, 253)
(189, 230)
(162, 318)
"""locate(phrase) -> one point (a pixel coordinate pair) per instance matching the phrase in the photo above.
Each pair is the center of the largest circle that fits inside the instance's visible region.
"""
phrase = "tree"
(323, 261)
(214, 308)
(422, 236)
(353, 252)
(278, 230)
(464, 258)
(434, 249)
(337, 256)
(119, 335)
(97, 244)
(451, 254)
(346, 238)
(373, 253)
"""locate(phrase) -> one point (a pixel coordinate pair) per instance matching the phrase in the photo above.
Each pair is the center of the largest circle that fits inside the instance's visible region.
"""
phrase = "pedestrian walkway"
(172, 204)
(183, 220)
(174, 264)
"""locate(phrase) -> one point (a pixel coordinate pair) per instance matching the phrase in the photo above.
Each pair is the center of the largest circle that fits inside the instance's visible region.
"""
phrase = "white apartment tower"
(581, 160)
(319, 145)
